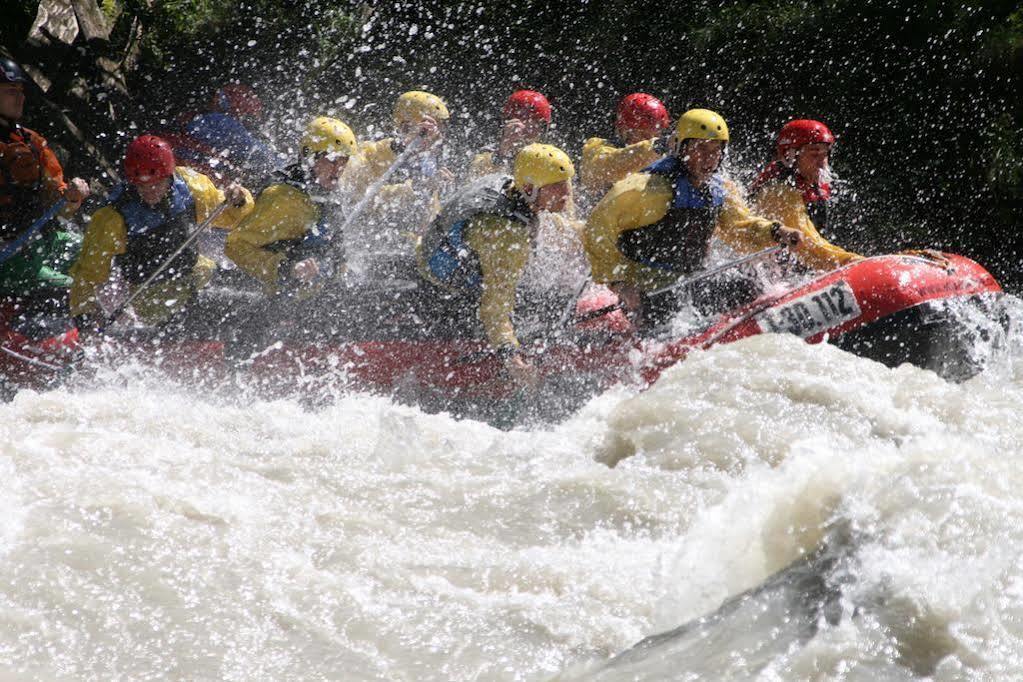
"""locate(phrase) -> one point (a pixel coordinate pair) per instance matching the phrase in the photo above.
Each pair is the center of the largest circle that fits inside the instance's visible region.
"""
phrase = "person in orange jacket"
(35, 254)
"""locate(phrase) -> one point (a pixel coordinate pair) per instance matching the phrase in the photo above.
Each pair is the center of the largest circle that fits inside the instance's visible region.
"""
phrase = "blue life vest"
(448, 255)
(687, 196)
(155, 232)
(140, 217)
(454, 262)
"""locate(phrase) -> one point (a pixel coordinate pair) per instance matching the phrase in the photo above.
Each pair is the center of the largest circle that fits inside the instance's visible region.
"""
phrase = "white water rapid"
(150, 532)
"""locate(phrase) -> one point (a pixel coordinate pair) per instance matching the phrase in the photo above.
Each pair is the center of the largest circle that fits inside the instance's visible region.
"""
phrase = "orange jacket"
(31, 178)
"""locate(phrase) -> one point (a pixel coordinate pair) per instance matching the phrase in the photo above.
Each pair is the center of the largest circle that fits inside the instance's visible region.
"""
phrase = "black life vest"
(679, 241)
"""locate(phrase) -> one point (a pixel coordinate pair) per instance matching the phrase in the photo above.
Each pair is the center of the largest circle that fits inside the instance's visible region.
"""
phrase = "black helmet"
(10, 72)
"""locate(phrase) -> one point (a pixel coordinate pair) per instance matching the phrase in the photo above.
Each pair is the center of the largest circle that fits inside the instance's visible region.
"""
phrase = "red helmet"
(640, 110)
(149, 158)
(795, 134)
(527, 105)
(238, 100)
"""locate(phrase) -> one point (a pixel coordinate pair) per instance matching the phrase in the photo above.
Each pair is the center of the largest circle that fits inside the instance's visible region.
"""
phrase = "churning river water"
(151, 532)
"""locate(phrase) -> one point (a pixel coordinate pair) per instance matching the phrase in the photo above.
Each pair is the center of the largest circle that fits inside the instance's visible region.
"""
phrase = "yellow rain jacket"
(603, 164)
(400, 206)
(643, 199)
(487, 163)
(783, 202)
(502, 248)
(481, 244)
(107, 236)
(282, 213)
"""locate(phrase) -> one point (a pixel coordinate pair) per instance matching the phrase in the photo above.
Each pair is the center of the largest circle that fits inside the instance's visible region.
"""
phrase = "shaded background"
(924, 96)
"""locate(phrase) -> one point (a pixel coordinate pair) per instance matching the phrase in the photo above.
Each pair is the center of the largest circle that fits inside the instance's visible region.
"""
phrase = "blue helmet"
(10, 72)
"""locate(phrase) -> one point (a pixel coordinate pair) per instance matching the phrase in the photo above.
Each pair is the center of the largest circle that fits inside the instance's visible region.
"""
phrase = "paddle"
(681, 284)
(33, 361)
(374, 189)
(16, 245)
(119, 310)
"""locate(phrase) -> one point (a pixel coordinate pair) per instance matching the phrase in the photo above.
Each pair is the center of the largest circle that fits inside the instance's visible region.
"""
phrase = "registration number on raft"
(812, 313)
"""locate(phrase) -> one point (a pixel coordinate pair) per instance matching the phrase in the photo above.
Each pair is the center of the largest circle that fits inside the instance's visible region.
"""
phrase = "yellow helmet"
(324, 134)
(539, 165)
(700, 124)
(413, 105)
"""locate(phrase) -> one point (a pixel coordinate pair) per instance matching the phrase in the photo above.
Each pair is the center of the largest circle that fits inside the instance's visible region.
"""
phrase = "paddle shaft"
(32, 361)
(600, 312)
(374, 189)
(119, 310)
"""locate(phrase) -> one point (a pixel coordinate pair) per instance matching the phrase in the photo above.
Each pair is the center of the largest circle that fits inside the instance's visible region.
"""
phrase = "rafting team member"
(526, 119)
(289, 241)
(479, 245)
(558, 264)
(794, 190)
(411, 198)
(640, 121)
(655, 227)
(145, 221)
(223, 142)
(33, 275)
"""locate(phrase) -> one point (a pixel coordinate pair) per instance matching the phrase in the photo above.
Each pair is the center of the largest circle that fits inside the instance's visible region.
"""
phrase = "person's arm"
(281, 213)
(738, 227)
(105, 238)
(482, 164)
(208, 196)
(634, 203)
(604, 164)
(783, 203)
(372, 160)
(502, 247)
(55, 187)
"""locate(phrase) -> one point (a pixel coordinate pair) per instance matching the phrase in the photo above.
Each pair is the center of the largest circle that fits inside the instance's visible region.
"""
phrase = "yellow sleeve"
(738, 227)
(400, 194)
(783, 203)
(282, 212)
(482, 164)
(208, 196)
(639, 200)
(105, 237)
(502, 247)
(603, 164)
(372, 161)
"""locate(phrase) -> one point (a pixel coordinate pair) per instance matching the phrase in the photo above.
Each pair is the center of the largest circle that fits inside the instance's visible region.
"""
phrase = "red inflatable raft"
(892, 309)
